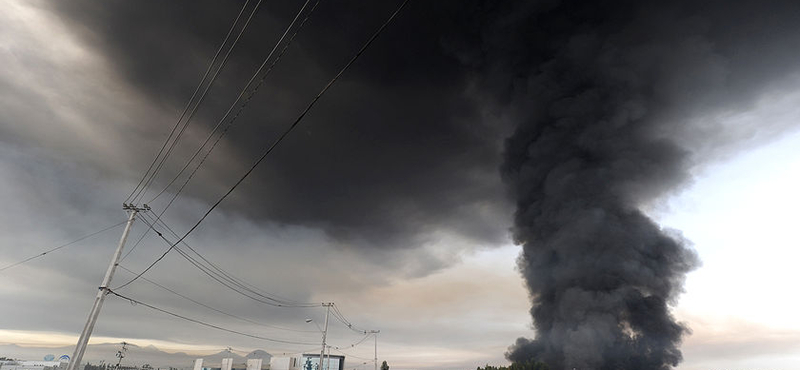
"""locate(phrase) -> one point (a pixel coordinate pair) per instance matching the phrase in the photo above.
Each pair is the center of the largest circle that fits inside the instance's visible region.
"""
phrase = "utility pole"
(328, 366)
(375, 332)
(121, 353)
(103, 290)
(324, 334)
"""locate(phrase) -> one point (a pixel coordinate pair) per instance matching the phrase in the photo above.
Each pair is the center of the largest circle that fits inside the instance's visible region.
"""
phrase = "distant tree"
(384, 366)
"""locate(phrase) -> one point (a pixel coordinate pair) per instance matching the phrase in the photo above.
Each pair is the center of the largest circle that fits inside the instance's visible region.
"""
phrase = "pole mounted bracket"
(132, 207)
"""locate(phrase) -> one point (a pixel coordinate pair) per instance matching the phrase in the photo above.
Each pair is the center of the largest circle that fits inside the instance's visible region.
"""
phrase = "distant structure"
(307, 362)
(304, 362)
(285, 363)
(227, 364)
(33, 365)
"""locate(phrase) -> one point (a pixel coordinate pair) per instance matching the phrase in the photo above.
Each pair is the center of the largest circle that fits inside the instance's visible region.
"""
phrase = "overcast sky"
(388, 198)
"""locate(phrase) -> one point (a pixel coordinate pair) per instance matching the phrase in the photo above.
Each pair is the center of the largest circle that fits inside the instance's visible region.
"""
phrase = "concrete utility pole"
(80, 348)
(328, 365)
(324, 334)
(375, 332)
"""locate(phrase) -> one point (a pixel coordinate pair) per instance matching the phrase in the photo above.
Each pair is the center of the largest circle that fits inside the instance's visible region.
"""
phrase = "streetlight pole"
(83, 341)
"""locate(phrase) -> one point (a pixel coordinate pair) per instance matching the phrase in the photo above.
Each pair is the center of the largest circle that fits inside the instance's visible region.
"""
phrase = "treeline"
(527, 365)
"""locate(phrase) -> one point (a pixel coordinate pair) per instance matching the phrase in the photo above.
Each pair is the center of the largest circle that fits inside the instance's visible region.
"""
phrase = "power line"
(349, 355)
(233, 119)
(241, 106)
(294, 353)
(282, 136)
(339, 316)
(220, 276)
(215, 309)
(143, 191)
(189, 104)
(204, 323)
(225, 277)
(230, 278)
(62, 246)
(138, 241)
(238, 281)
(367, 336)
(146, 186)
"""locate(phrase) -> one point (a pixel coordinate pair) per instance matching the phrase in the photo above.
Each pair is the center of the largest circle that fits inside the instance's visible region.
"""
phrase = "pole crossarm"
(133, 207)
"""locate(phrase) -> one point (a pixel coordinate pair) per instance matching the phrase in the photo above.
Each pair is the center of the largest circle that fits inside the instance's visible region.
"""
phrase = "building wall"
(32, 365)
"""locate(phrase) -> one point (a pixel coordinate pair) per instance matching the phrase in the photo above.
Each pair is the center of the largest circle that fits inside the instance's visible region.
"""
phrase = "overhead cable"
(189, 103)
(62, 246)
(367, 336)
(138, 241)
(204, 323)
(339, 316)
(146, 186)
(233, 119)
(215, 309)
(278, 140)
(349, 355)
(221, 276)
(241, 106)
(280, 301)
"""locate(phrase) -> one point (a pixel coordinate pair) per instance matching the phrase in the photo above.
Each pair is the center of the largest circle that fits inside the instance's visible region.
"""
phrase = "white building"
(307, 362)
(227, 364)
(33, 365)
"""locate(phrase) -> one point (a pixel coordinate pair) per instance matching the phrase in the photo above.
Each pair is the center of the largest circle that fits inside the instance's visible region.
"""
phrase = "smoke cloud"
(603, 97)
(601, 92)
(600, 272)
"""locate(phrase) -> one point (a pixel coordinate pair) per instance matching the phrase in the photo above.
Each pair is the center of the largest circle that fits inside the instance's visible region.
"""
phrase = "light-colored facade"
(227, 364)
(307, 362)
(32, 365)
(284, 363)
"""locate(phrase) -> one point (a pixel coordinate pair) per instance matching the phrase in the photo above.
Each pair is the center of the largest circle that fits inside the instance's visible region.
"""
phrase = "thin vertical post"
(324, 334)
(375, 333)
(103, 290)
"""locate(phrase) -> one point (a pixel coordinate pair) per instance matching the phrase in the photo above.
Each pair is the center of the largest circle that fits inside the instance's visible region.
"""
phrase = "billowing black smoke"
(592, 90)
(598, 90)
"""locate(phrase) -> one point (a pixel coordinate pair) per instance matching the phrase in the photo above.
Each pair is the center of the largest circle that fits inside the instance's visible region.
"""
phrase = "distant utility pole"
(121, 353)
(324, 334)
(83, 341)
(375, 332)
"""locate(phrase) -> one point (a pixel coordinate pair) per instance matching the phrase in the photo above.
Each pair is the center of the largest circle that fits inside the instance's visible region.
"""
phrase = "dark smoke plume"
(595, 86)
(598, 89)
